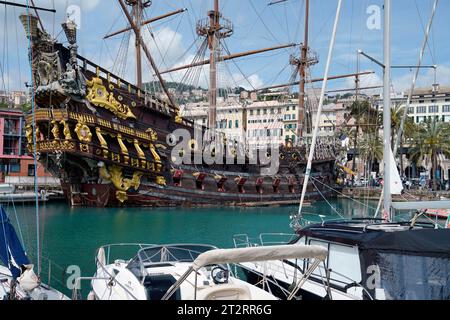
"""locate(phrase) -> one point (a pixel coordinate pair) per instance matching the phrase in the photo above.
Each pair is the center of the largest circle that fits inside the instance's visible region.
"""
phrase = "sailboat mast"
(212, 43)
(302, 71)
(387, 109)
(138, 22)
(296, 219)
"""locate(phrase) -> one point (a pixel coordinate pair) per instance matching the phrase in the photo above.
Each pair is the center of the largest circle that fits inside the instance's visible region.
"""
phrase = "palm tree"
(431, 140)
(409, 128)
(363, 114)
(371, 149)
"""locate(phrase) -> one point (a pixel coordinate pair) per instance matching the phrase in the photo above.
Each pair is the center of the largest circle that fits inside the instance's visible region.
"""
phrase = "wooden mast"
(137, 17)
(304, 55)
(351, 75)
(214, 31)
(212, 43)
(143, 23)
(147, 54)
(302, 64)
(229, 57)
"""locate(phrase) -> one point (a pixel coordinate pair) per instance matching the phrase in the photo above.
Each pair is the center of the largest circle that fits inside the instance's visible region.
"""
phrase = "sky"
(257, 25)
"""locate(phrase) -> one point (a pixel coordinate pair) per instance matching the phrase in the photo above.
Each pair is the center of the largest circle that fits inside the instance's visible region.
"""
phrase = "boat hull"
(150, 195)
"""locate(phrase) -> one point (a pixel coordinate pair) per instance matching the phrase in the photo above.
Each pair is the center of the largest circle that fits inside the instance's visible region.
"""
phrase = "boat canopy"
(255, 254)
(421, 205)
(12, 253)
(384, 237)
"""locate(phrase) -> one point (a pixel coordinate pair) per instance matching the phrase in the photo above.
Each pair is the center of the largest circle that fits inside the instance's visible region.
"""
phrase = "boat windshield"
(166, 255)
(414, 277)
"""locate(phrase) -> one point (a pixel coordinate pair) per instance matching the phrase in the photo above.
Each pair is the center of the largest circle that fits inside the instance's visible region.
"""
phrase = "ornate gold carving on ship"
(123, 149)
(55, 130)
(103, 142)
(161, 181)
(66, 131)
(141, 154)
(178, 118)
(29, 133)
(83, 132)
(99, 96)
(122, 184)
(153, 150)
(153, 135)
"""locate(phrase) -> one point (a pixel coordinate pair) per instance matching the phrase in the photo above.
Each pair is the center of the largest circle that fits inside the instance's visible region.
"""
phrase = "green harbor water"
(71, 236)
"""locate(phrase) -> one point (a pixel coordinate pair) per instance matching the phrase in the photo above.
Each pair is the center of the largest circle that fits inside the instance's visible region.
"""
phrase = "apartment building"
(16, 166)
(428, 103)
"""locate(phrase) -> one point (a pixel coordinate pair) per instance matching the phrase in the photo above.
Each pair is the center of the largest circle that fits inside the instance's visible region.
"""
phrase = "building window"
(230, 124)
(272, 111)
(433, 109)
(279, 110)
(251, 112)
(236, 124)
(446, 108)
(421, 109)
(258, 112)
(14, 168)
(31, 170)
(293, 117)
(411, 110)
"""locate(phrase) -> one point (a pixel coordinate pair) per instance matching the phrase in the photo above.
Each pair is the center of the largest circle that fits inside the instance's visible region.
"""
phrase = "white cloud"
(369, 80)
(168, 51)
(403, 83)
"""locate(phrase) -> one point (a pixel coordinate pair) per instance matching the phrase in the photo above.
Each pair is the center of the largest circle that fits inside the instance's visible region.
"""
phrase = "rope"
(343, 195)
(324, 198)
(33, 108)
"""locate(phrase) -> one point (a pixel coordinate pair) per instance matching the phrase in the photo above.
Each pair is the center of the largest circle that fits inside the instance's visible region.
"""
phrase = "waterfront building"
(432, 103)
(428, 103)
(16, 166)
(266, 122)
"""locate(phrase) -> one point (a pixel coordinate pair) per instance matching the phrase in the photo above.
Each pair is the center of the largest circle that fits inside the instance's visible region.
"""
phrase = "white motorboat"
(188, 272)
(367, 260)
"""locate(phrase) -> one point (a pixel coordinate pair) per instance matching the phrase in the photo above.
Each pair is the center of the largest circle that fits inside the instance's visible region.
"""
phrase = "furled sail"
(12, 253)
(395, 183)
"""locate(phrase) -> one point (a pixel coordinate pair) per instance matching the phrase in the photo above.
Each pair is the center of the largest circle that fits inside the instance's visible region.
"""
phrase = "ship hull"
(103, 195)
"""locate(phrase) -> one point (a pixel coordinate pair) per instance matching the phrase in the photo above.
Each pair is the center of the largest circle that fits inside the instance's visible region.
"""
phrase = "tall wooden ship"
(108, 140)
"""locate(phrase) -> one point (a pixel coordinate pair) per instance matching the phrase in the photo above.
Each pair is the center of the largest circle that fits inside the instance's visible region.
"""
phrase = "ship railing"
(88, 65)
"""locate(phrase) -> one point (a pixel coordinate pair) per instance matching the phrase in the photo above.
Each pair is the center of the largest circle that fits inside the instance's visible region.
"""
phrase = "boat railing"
(111, 249)
(103, 257)
(169, 254)
(270, 239)
(264, 239)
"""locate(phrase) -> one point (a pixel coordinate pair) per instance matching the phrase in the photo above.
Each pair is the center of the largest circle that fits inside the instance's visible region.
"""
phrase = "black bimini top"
(387, 237)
